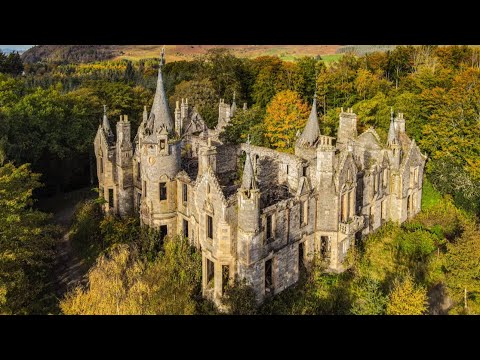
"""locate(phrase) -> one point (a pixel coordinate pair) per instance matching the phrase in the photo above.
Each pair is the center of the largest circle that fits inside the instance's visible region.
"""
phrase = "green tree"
(406, 298)
(239, 299)
(245, 123)
(370, 299)
(200, 94)
(26, 245)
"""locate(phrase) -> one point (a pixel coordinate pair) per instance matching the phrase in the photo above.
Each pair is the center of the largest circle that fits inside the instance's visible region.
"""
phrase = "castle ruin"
(178, 177)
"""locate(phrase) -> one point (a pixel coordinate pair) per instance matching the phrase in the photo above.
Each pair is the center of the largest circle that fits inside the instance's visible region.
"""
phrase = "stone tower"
(124, 156)
(249, 239)
(347, 128)
(160, 163)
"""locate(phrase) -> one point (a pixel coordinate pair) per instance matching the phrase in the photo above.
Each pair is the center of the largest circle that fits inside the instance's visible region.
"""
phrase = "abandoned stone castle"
(282, 210)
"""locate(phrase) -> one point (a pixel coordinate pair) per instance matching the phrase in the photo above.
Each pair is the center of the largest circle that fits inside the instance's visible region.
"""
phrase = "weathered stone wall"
(226, 158)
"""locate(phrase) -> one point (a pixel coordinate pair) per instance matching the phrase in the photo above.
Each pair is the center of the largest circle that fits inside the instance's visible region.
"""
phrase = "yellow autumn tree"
(285, 115)
(121, 283)
(406, 298)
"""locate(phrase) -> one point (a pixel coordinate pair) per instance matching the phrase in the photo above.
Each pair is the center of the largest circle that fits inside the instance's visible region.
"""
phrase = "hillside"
(90, 53)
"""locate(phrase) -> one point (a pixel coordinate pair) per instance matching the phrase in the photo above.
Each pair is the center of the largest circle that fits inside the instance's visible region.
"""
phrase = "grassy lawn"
(328, 59)
(430, 196)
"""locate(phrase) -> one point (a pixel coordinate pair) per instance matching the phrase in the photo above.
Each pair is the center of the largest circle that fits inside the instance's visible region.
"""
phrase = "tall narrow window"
(210, 273)
(344, 207)
(163, 233)
(304, 171)
(225, 277)
(185, 228)
(301, 252)
(145, 189)
(287, 169)
(209, 227)
(139, 200)
(185, 193)
(324, 247)
(374, 183)
(304, 212)
(163, 191)
(110, 198)
(268, 228)
(268, 276)
(101, 165)
(138, 171)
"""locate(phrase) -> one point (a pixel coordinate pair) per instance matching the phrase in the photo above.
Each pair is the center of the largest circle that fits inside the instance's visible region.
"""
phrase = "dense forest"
(50, 111)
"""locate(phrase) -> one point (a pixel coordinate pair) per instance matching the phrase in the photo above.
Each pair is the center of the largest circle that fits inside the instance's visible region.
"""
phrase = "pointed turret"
(248, 179)
(311, 132)
(145, 115)
(392, 135)
(106, 123)
(160, 111)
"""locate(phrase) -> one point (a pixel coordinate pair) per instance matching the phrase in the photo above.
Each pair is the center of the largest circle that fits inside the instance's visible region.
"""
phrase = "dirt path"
(69, 268)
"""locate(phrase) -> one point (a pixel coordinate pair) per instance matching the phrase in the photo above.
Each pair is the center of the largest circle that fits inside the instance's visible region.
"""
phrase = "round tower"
(160, 156)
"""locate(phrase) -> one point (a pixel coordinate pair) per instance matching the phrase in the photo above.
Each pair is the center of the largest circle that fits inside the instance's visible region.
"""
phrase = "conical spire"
(160, 110)
(105, 122)
(311, 132)
(248, 179)
(392, 135)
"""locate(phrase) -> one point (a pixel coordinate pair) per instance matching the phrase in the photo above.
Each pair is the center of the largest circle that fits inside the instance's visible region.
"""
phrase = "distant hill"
(8, 50)
(90, 53)
(70, 53)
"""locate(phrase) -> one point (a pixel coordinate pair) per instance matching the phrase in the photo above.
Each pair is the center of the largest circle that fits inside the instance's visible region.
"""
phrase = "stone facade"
(262, 218)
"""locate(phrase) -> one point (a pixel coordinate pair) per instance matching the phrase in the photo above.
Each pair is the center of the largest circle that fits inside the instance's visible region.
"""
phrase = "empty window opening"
(225, 277)
(344, 208)
(287, 169)
(301, 254)
(268, 228)
(209, 227)
(185, 228)
(101, 166)
(139, 200)
(185, 193)
(268, 276)
(110, 198)
(163, 191)
(144, 189)
(324, 247)
(138, 171)
(210, 273)
(304, 171)
(162, 144)
(163, 233)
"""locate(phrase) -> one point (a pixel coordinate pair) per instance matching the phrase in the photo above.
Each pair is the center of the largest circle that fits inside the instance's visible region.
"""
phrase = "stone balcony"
(352, 226)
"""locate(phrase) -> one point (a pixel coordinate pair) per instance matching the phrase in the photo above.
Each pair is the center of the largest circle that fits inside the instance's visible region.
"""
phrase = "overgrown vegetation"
(49, 116)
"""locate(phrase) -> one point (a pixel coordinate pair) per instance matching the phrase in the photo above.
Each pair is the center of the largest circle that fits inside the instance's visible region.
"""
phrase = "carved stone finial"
(162, 56)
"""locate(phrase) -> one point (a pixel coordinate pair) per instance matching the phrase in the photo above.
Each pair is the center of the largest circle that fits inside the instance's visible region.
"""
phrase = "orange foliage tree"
(285, 115)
